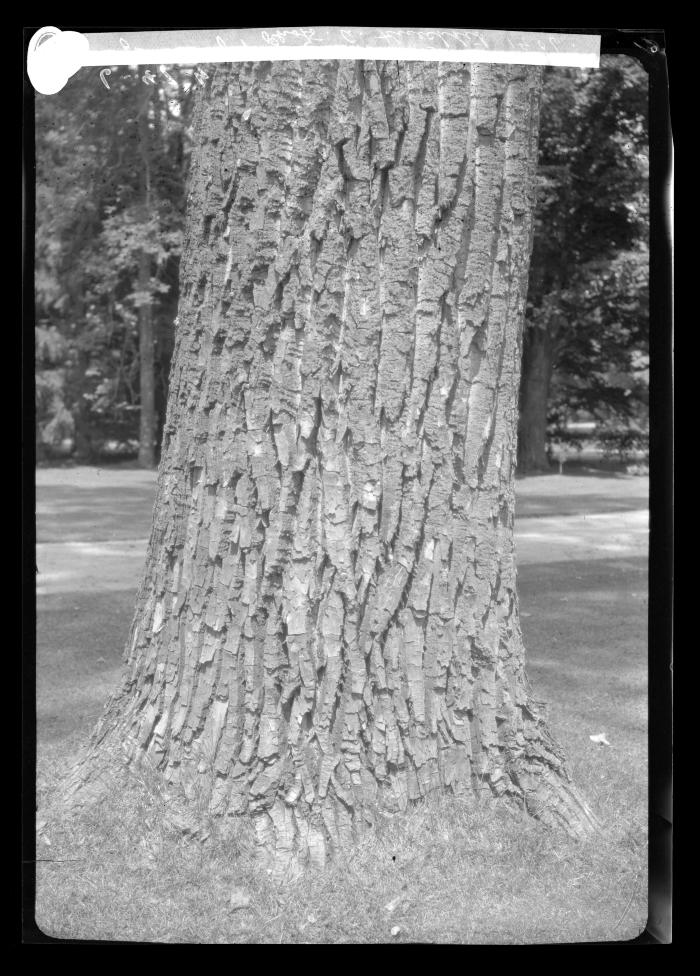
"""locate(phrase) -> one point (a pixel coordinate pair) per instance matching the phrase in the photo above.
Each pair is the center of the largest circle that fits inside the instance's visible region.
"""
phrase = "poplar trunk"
(328, 619)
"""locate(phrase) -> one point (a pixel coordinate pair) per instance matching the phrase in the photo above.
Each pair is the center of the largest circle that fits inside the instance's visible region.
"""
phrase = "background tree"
(601, 368)
(587, 318)
(110, 197)
(328, 618)
(107, 267)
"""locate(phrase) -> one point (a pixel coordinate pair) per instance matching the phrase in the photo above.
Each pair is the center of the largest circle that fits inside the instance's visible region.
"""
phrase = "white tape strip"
(55, 55)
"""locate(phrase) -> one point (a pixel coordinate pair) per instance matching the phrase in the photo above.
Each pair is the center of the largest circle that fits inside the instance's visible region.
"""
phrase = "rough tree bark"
(328, 618)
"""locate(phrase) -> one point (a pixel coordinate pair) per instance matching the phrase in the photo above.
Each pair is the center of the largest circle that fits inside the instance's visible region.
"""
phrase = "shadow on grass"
(92, 513)
(585, 465)
(547, 504)
(80, 642)
(585, 630)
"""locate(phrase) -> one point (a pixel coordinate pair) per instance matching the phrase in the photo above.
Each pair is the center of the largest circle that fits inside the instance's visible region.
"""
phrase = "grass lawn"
(446, 871)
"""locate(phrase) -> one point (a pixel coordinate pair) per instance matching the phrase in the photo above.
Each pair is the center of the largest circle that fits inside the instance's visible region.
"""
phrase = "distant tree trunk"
(534, 398)
(147, 416)
(75, 373)
(84, 450)
(328, 618)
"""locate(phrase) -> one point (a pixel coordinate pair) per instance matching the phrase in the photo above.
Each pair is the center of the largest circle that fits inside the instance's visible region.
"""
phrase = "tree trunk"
(534, 397)
(328, 618)
(147, 392)
(147, 401)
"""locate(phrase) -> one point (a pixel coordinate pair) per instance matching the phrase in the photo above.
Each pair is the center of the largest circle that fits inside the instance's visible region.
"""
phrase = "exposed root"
(290, 840)
(105, 766)
(556, 802)
(93, 777)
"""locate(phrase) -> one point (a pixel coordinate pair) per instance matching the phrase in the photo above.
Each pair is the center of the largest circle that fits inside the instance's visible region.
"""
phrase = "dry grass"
(445, 872)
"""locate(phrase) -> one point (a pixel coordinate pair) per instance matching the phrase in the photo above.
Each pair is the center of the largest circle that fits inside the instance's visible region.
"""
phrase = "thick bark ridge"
(328, 618)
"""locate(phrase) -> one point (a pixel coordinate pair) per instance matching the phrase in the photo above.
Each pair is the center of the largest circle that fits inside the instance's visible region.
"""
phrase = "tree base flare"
(288, 839)
(557, 803)
(295, 830)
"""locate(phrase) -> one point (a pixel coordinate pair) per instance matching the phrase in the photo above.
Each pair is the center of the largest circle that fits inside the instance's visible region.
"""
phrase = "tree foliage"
(603, 366)
(589, 272)
(91, 228)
